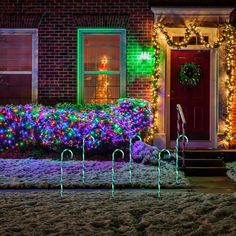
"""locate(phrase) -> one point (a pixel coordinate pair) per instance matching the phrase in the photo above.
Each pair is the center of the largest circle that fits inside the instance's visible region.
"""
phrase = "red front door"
(195, 101)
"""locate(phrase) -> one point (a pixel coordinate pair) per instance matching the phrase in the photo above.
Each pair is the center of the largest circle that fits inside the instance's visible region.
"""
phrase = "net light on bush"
(36, 124)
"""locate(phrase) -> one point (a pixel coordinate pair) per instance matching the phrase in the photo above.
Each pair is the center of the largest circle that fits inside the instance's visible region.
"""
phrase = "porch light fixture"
(144, 56)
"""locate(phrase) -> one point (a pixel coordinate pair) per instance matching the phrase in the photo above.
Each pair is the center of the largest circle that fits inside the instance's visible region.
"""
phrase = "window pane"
(100, 46)
(101, 88)
(15, 52)
(15, 89)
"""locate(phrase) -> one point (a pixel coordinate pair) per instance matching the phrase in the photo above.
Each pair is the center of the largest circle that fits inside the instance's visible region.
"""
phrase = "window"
(101, 65)
(18, 66)
(193, 40)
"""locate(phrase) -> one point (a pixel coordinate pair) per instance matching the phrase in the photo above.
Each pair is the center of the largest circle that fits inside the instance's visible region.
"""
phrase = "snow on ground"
(129, 213)
(231, 173)
(88, 212)
(45, 173)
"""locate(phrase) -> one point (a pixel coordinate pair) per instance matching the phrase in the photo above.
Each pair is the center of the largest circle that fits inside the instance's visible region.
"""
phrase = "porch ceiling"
(210, 21)
(201, 16)
(212, 3)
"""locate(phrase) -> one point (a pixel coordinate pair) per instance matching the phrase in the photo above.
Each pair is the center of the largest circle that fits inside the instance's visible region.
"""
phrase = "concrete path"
(214, 184)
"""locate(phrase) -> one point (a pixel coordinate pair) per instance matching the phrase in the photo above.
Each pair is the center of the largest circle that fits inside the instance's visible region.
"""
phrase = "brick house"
(98, 51)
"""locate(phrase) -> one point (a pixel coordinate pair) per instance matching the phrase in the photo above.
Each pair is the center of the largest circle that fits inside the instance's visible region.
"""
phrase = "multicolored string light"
(227, 36)
(17, 125)
(56, 127)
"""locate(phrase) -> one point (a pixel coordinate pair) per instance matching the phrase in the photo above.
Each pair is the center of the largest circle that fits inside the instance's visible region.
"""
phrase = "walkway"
(214, 184)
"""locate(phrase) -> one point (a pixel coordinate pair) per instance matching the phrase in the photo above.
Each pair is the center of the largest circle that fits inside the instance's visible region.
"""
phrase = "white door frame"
(212, 142)
(164, 106)
(209, 19)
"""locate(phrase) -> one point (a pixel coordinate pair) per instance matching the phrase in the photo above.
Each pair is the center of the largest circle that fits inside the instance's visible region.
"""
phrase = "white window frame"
(34, 71)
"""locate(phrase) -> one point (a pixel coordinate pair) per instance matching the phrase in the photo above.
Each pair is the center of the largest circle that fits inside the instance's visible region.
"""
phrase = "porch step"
(226, 155)
(204, 163)
(200, 154)
(205, 171)
(200, 162)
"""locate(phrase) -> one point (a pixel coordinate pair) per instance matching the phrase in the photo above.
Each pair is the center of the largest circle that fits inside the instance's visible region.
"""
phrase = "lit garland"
(154, 89)
(229, 82)
(55, 127)
(155, 80)
(226, 36)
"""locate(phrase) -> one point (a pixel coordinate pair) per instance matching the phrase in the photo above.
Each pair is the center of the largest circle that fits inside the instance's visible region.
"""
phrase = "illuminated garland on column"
(226, 36)
(154, 88)
(155, 80)
(229, 83)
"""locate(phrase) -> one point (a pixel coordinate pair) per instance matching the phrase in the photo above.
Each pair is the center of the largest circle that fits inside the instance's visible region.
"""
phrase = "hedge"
(66, 125)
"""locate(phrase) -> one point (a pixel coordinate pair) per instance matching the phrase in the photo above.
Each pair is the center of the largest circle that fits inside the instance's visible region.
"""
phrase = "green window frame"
(81, 72)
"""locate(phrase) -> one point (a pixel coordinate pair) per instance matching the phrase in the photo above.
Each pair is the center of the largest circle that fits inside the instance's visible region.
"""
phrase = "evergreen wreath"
(190, 74)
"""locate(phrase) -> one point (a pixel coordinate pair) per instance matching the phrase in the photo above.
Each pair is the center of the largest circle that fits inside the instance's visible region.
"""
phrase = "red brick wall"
(57, 22)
